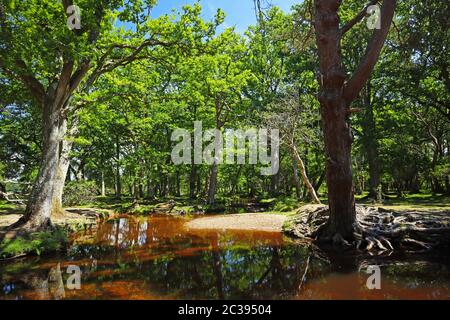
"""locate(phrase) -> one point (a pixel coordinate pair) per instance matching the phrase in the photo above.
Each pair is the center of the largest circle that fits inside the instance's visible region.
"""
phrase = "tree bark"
(103, 191)
(213, 184)
(39, 208)
(311, 191)
(298, 185)
(63, 165)
(3, 194)
(118, 183)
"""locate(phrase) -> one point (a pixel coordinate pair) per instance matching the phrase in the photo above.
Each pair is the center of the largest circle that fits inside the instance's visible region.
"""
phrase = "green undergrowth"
(37, 243)
(280, 205)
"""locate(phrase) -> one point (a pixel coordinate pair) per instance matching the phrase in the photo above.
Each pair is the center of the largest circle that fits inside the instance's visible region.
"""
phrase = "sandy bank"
(246, 221)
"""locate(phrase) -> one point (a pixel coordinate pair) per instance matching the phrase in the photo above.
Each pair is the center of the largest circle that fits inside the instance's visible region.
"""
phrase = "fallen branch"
(303, 280)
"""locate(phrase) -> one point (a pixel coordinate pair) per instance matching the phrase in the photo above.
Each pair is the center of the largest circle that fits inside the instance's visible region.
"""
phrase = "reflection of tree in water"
(259, 273)
(402, 276)
(42, 284)
(163, 261)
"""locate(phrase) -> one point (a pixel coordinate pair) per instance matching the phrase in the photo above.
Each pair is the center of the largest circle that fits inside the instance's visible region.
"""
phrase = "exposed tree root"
(377, 230)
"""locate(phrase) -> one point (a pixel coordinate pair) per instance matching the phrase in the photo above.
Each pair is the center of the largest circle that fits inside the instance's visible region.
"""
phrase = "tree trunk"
(447, 185)
(213, 184)
(371, 144)
(335, 96)
(103, 192)
(39, 207)
(234, 186)
(3, 194)
(339, 170)
(319, 181)
(311, 191)
(199, 183)
(118, 183)
(192, 182)
(62, 168)
(298, 185)
(178, 185)
(150, 189)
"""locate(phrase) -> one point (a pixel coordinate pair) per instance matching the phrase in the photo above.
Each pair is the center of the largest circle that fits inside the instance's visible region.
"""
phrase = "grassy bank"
(37, 243)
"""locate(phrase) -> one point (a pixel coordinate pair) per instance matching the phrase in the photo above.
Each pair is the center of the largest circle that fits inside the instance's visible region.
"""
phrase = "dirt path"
(246, 221)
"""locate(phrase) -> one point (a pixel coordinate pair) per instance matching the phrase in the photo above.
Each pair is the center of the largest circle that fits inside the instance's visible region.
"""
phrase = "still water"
(157, 258)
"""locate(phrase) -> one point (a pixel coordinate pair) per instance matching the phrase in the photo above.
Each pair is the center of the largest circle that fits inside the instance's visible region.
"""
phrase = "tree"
(337, 92)
(55, 64)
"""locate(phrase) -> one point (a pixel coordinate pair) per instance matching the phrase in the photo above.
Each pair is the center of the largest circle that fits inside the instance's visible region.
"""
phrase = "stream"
(157, 258)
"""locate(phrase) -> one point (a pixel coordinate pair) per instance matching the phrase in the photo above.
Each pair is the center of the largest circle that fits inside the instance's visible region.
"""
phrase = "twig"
(304, 273)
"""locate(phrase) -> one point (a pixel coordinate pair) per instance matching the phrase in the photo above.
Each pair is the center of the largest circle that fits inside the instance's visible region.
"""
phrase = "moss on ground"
(34, 243)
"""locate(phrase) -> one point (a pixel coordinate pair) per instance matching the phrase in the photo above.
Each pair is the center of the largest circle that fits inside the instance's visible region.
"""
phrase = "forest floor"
(75, 218)
(267, 213)
(410, 202)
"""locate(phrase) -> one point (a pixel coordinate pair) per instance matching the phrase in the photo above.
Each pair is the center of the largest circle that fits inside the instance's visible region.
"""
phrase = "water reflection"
(156, 258)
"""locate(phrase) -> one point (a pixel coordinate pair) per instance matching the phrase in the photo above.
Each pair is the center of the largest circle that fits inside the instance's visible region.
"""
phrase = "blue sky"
(239, 13)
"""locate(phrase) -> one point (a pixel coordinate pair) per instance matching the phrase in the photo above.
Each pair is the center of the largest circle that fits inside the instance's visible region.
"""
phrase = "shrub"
(79, 193)
(285, 204)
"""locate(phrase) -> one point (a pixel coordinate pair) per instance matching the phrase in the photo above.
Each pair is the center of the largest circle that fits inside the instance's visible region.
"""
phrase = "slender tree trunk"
(213, 184)
(199, 183)
(135, 191)
(371, 144)
(319, 181)
(298, 185)
(141, 178)
(311, 191)
(274, 181)
(447, 185)
(3, 194)
(150, 189)
(177, 185)
(234, 186)
(103, 192)
(192, 182)
(118, 182)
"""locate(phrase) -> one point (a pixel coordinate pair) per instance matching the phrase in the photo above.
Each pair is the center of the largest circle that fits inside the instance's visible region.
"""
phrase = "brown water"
(156, 258)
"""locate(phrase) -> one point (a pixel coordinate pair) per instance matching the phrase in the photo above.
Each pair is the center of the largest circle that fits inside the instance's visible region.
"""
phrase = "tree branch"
(365, 67)
(33, 85)
(357, 19)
